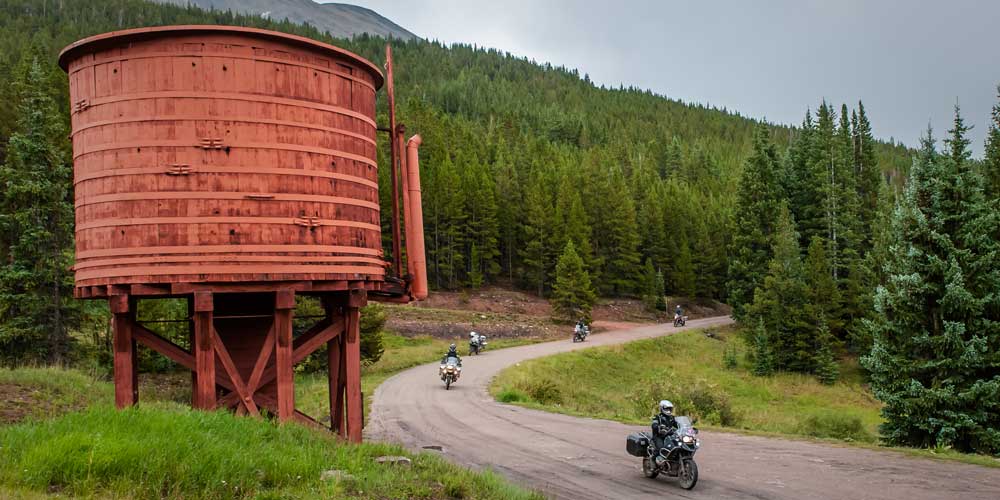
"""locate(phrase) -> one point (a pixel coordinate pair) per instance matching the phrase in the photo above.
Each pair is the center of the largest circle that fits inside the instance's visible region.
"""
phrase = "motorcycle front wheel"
(689, 474)
(648, 469)
(447, 383)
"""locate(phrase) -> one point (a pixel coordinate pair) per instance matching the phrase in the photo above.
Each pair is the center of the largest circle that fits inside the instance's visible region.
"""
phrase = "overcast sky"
(910, 61)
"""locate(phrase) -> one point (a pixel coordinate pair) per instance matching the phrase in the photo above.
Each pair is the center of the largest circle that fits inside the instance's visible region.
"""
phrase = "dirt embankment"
(505, 313)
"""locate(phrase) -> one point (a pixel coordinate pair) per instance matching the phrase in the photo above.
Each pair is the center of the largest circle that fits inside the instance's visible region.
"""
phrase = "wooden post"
(126, 392)
(334, 380)
(204, 351)
(191, 342)
(352, 362)
(284, 306)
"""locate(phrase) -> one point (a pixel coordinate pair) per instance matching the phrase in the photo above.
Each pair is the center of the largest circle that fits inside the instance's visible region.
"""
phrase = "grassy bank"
(166, 450)
(625, 382)
(71, 442)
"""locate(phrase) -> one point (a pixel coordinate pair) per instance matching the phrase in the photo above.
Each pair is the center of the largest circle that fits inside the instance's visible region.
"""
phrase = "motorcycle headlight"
(687, 439)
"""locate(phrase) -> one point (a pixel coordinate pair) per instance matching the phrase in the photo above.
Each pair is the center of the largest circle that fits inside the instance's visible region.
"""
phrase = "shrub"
(837, 425)
(544, 391)
(729, 356)
(699, 400)
(511, 395)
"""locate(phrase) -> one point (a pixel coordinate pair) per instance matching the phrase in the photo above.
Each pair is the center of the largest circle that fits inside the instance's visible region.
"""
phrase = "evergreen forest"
(825, 239)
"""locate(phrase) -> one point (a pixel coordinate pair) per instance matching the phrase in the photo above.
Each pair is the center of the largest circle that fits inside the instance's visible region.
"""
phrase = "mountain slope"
(339, 19)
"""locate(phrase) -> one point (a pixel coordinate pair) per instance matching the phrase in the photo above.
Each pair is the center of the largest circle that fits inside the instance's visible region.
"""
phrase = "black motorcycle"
(676, 459)
(580, 333)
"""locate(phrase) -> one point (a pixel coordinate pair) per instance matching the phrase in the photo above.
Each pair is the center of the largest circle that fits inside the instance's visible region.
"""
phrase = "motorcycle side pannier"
(636, 444)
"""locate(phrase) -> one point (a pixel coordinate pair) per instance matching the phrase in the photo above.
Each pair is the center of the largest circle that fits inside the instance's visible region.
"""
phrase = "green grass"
(625, 382)
(45, 392)
(163, 449)
(167, 450)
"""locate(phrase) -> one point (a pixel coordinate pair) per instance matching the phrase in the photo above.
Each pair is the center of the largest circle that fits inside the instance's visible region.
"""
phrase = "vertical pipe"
(407, 227)
(204, 351)
(124, 352)
(415, 218)
(394, 154)
(284, 305)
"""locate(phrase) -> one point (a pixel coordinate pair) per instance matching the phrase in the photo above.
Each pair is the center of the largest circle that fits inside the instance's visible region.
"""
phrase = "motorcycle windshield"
(451, 361)
(684, 426)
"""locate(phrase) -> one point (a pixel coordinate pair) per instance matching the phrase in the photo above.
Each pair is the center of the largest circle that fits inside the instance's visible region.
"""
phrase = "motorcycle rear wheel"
(648, 470)
(689, 474)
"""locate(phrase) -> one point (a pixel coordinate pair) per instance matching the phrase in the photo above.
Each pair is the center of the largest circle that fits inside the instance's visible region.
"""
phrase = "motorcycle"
(676, 459)
(449, 372)
(679, 320)
(477, 345)
(580, 333)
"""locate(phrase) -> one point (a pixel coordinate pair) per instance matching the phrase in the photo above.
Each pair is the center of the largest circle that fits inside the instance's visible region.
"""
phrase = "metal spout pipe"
(416, 259)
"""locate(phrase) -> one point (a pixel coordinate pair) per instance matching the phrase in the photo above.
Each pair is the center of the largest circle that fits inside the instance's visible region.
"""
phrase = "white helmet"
(472, 334)
(666, 407)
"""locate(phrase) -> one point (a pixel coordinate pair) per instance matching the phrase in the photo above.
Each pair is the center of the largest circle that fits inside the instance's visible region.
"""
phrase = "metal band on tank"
(212, 169)
(232, 96)
(130, 271)
(217, 220)
(206, 118)
(198, 249)
(223, 195)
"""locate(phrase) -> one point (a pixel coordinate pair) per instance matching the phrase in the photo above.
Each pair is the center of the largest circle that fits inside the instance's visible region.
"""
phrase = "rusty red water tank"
(222, 154)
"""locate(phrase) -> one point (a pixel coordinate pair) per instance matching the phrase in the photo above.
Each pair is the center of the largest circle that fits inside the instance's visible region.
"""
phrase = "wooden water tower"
(236, 168)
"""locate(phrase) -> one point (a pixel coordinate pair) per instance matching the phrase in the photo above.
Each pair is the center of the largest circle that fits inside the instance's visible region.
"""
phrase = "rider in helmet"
(664, 425)
(679, 311)
(452, 353)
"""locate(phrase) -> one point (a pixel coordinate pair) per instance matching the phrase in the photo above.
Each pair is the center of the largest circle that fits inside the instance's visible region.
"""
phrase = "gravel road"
(580, 458)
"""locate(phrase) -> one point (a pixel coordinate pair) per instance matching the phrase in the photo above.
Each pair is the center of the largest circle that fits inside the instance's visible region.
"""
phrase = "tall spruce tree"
(36, 231)
(535, 235)
(572, 295)
(781, 301)
(622, 259)
(935, 362)
(757, 200)
(822, 293)
(991, 158)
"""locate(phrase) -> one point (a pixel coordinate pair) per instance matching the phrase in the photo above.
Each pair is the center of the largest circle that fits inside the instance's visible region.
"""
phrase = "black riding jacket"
(667, 421)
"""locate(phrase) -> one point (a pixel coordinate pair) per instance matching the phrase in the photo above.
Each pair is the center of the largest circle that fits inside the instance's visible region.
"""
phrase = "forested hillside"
(520, 158)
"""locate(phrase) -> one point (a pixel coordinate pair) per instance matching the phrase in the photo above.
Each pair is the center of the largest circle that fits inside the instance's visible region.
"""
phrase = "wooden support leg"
(333, 355)
(204, 351)
(126, 392)
(284, 307)
(352, 360)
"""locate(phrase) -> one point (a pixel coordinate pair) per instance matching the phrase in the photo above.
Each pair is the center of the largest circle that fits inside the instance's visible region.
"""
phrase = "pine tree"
(622, 239)
(935, 361)
(660, 304)
(682, 273)
(827, 369)
(991, 157)
(649, 285)
(866, 170)
(781, 301)
(535, 229)
(572, 295)
(822, 294)
(763, 358)
(36, 231)
(758, 198)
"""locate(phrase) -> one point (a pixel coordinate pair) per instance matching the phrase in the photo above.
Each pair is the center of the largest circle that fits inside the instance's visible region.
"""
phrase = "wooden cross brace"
(243, 393)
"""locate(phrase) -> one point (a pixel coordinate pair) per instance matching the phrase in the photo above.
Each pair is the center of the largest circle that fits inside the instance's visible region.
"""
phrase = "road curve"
(581, 458)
